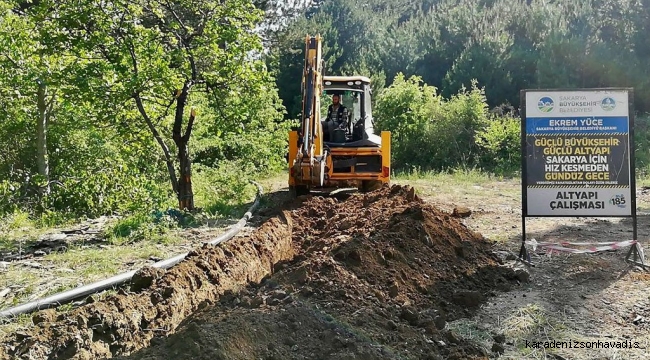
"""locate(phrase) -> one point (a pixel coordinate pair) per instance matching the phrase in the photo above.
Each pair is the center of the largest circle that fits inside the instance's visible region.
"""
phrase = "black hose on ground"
(71, 295)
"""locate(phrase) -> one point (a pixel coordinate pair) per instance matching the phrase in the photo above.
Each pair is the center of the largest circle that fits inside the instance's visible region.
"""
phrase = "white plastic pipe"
(70, 295)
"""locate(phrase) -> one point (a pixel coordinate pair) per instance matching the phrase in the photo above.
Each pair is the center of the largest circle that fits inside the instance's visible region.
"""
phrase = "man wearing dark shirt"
(337, 112)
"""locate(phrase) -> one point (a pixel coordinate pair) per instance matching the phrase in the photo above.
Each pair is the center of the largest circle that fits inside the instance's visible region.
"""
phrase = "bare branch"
(157, 101)
(190, 57)
(161, 142)
(49, 104)
(190, 125)
(166, 112)
(171, 10)
(134, 61)
(11, 60)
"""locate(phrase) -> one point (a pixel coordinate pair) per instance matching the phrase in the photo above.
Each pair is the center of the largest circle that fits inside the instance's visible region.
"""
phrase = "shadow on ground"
(574, 299)
(279, 321)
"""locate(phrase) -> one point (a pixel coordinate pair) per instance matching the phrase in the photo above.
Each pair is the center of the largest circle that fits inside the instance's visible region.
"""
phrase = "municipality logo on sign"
(545, 104)
(608, 104)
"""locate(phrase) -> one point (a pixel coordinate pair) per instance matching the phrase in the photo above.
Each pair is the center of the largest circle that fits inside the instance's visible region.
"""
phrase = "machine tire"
(370, 185)
(298, 190)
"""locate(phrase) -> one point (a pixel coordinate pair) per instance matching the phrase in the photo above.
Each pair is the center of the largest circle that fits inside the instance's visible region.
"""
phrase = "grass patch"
(95, 263)
(236, 207)
(458, 176)
(643, 179)
(531, 322)
(534, 323)
(473, 331)
(475, 176)
(461, 185)
(222, 190)
(23, 284)
(526, 321)
(64, 271)
(20, 228)
(16, 229)
(154, 228)
(128, 226)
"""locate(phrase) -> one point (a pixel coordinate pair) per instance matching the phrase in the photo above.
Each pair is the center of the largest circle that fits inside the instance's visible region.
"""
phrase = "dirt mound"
(376, 276)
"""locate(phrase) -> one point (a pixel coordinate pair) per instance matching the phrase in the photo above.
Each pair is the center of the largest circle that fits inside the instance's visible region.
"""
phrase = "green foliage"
(110, 77)
(138, 227)
(225, 187)
(505, 45)
(430, 132)
(642, 145)
(500, 141)
(260, 139)
(111, 74)
(441, 46)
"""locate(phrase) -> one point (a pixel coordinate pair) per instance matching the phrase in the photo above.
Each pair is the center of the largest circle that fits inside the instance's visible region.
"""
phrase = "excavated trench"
(373, 276)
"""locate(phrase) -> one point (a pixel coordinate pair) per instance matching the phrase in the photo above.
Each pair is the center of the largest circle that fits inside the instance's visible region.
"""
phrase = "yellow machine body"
(325, 155)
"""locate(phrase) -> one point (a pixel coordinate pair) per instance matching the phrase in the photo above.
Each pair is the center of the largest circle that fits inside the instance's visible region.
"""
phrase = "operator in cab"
(337, 112)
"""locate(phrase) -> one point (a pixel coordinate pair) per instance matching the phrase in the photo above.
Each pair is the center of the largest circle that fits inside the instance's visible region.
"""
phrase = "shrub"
(429, 132)
(500, 142)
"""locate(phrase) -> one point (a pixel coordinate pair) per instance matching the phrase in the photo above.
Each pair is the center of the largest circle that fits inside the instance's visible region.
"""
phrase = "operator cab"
(355, 94)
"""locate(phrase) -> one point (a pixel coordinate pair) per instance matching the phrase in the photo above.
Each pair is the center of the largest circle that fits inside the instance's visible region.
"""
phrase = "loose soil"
(374, 276)
(582, 306)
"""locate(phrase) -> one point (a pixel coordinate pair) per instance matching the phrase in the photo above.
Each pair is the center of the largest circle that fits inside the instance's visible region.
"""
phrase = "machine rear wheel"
(370, 185)
(298, 190)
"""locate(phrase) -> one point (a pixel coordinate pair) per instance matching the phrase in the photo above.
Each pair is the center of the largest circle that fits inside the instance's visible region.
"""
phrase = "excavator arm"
(308, 165)
(311, 90)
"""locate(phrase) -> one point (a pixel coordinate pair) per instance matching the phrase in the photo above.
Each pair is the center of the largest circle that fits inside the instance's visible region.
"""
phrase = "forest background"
(109, 107)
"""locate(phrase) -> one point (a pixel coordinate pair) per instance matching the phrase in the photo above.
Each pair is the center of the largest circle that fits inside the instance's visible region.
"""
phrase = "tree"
(29, 69)
(160, 56)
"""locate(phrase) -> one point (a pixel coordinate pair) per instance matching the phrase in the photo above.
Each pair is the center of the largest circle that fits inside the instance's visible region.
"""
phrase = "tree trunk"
(41, 138)
(185, 194)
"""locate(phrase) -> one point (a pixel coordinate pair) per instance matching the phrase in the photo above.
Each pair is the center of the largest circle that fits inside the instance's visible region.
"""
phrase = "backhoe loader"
(324, 156)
